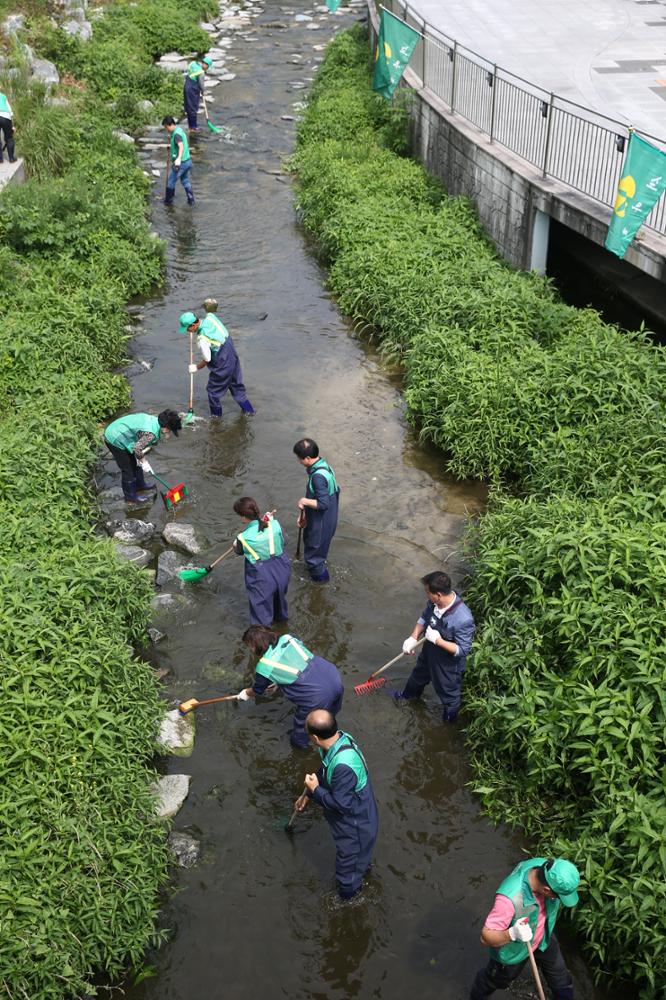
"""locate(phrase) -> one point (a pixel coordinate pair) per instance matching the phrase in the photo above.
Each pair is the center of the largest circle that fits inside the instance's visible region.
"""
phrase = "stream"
(258, 914)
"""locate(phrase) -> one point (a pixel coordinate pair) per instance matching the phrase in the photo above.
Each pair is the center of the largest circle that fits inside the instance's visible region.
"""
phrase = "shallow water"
(258, 915)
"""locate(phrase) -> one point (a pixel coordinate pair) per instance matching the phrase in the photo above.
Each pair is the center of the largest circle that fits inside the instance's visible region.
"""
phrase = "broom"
(213, 128)
(200, 571)
(174, 494)
(188, 706)
(367, 687)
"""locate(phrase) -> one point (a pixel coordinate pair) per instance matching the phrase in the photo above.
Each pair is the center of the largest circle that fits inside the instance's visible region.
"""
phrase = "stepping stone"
(170, 791)
(176, 735)
(186, 849)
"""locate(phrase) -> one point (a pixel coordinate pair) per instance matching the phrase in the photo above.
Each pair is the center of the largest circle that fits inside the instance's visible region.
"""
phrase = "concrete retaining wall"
(513, 200)
(11, 173)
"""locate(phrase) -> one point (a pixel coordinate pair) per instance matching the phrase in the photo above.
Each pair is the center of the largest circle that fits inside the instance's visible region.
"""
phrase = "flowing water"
(257, 916)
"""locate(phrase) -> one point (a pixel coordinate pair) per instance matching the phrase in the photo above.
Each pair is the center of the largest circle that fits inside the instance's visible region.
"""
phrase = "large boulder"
(168, 566)
(176, 735)
(45, 72)
(13, 23)
(185, 848)
(134, 554)
(183, 536)
(78, 28)
(123, 136)
(131, 532)
(170, 792)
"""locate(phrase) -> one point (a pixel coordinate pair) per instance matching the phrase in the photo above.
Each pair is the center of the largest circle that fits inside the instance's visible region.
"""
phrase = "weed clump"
(565, 416)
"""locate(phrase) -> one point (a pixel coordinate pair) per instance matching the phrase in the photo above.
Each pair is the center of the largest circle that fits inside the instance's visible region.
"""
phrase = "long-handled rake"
(173, 494)
(200, 571)
(188, 706)
(374, 682)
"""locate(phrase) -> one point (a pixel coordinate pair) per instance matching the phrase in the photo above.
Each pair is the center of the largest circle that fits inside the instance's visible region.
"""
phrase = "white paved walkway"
(609, 55)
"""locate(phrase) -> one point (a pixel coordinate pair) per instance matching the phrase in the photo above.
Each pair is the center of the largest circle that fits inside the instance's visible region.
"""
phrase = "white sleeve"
(204, 347)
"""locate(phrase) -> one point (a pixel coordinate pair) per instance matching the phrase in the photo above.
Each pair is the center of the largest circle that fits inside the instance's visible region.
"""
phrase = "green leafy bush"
(564, 415)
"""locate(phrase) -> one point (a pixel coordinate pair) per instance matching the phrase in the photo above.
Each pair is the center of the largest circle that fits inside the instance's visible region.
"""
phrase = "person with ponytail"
(308, 680)
(267, 565)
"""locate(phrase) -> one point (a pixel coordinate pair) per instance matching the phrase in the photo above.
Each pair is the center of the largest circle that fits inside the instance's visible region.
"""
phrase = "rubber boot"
(322, 577)
(247, 407)
(168, 196)
(141, 484)
(449, 715)
(190, 198)
(132, 496)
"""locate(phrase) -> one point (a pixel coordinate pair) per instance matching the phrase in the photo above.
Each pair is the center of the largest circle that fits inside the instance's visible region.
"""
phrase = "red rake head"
(367, 687)
(174, 495)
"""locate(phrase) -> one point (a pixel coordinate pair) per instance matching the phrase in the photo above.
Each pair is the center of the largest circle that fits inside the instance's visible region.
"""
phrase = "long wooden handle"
(298, 543)
(168, 169)
(535, 971)
(391, 662)
(295, 812)
(212, 701)
(220, 558)
(191, 375)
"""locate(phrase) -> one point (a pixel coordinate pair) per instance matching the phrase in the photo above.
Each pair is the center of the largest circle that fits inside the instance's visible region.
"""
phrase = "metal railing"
(565, 141)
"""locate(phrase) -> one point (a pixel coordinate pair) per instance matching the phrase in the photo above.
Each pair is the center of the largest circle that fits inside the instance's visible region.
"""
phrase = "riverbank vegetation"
(81, 859)
(564, 416)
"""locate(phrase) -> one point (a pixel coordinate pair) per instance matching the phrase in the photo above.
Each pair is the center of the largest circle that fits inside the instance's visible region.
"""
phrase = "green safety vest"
(194, 70)
(322, 468)
(261, 545)
(214, 331)
(174, 148)
(517, 888)
(5, 108)
(345, 751)
(283, 662)
(124, 432)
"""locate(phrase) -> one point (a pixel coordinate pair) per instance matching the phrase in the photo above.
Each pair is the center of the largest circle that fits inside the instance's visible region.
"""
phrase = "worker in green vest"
(526, 908)
(193, 88)
(7, 128)
(181, 162)
(128, 438)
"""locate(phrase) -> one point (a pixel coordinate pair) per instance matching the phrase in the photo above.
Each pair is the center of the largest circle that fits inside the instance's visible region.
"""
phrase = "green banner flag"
(641, 185)
(333, 5)
(395, 43)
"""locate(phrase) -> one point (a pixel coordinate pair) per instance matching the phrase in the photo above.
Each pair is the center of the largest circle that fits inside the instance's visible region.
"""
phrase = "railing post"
(549, 128)
(452, 98)
(493, 99)
(424, 43)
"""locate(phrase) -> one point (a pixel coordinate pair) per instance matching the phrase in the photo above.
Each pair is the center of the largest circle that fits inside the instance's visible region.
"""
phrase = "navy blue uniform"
(320, 524)
(225, 374)
(435, 664)
(318, 685)
(346, 795)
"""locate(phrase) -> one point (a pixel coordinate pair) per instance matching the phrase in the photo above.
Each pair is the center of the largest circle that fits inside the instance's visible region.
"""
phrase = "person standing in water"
(318, 508)
(267, 565)
(219, 356)
(193, 89)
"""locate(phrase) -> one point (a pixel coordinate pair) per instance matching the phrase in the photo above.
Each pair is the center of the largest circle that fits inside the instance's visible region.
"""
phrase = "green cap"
(563, 879)
(186, 320)
(208, 60)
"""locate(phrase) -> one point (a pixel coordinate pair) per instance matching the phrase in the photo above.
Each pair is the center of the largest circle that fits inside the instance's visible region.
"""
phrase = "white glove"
(409, 645)
(192, 369)
(432, 635)
(521, 931)
(146, 466)
(243, 695)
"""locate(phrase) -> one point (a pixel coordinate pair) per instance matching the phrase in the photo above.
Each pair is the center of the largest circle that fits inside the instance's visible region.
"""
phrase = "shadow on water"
(258, 916)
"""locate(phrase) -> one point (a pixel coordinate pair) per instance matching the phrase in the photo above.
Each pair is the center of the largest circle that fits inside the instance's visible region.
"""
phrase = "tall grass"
(564, 416)
(82, 861)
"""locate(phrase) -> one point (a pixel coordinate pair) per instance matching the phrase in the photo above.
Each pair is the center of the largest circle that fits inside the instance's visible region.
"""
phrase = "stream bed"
(258, 915)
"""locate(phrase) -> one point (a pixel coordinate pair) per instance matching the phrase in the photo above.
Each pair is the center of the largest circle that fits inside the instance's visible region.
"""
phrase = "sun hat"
(563, 878)
(186, 320)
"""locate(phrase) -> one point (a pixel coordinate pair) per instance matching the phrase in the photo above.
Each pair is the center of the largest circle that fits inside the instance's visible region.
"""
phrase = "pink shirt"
(501, 917)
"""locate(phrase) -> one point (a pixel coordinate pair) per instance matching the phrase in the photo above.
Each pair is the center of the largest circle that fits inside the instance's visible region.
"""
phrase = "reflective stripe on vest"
(261, 545)
(287, 660)
(124, 432)
(214, 331)
(174, 148)
(324, 469)
(194, 70)
(513, 887)
(345, 751)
